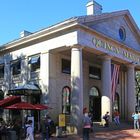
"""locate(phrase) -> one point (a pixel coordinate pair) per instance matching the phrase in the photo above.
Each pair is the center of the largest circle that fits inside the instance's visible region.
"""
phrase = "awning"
(9, 101)
(26, 90)
(34, 59)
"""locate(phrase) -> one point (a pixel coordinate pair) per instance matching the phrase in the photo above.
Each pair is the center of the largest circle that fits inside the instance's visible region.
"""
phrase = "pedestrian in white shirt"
(30, 134)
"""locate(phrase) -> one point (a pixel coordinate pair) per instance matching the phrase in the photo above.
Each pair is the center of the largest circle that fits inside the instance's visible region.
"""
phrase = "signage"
(116, 50)
(62, 120)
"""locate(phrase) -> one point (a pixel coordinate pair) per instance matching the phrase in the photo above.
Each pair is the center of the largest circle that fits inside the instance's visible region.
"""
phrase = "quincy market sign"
(117, 50)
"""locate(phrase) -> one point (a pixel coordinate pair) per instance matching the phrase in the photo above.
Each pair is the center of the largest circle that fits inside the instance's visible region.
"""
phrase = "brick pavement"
(113, 135)
(123, 132)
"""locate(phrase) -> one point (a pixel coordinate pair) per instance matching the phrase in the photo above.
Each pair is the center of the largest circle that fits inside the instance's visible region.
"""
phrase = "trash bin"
(12, 135)
(58, 131)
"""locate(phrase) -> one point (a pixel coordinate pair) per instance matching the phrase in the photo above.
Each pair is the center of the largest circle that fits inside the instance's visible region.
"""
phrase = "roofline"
(83, 19)
(39, 34)
(108, 38)
(72, 22)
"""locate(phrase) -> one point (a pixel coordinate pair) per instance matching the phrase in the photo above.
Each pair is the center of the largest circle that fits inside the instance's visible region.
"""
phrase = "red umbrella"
(42, 107)
(10, 100)
(22, 105)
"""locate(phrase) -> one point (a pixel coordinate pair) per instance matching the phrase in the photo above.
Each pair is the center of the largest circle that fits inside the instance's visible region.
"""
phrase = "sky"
(34, 15)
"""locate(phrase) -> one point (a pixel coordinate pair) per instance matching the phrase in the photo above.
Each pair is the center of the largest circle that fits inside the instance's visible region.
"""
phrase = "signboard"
(62, 120)
(117, 51)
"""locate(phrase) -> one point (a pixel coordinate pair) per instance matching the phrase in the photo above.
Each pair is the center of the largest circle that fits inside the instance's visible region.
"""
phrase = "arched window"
(66, 100)
(94, 92)
(122, 33)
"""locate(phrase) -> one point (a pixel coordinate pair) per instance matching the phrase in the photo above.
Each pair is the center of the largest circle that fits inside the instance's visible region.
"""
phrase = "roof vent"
(93, 8)
(25, 33)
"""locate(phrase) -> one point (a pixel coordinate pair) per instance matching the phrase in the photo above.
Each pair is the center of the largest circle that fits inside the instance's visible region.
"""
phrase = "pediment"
(110, 25)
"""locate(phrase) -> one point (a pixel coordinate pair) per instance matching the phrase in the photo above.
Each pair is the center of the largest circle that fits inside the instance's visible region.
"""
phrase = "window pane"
(35, 63)
(16, 67)
(94, 72)
(66, 66)
(1, 71)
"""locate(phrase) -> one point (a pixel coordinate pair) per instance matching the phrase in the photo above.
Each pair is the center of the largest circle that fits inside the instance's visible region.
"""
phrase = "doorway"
(95, 103)
(116, 104)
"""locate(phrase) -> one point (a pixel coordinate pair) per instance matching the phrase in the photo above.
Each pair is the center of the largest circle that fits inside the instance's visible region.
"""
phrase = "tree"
(137, 79)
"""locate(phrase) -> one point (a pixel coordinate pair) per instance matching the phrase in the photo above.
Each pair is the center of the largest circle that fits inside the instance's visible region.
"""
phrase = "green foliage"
(137, 79)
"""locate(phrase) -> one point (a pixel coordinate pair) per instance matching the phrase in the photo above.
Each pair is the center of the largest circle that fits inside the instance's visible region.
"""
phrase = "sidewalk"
(122, 132)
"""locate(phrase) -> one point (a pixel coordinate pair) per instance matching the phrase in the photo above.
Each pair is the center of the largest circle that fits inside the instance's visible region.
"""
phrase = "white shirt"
(30, 132)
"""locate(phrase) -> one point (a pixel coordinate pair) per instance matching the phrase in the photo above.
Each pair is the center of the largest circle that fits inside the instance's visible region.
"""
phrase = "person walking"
(29, 131)
(86, 126)
(106, 118)
(116, 115)
(136, 118)
(45, 128)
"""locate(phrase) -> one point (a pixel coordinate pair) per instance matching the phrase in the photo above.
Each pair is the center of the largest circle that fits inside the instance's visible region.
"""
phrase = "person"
(106, 118)
(136, 118)
(45, 128)
(116, 115)
(29, 130)
(51, 126)
(17, 127)
(85, 110)
(91, 118)
(86, 126)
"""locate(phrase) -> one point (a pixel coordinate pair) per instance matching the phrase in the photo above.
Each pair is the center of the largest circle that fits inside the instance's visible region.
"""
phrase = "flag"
(114, 79)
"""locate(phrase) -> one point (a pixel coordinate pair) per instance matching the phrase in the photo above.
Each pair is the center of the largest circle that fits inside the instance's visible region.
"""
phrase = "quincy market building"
(70, 63)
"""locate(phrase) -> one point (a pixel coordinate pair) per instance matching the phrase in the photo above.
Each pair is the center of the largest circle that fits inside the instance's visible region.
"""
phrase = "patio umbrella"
(41, 107)
(9, 101)
(22, 106)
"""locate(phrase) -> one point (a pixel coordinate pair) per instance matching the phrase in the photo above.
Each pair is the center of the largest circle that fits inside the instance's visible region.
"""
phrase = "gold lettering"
(99, 43)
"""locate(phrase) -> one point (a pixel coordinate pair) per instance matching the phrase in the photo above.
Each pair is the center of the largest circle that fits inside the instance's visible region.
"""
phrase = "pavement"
(123, 132)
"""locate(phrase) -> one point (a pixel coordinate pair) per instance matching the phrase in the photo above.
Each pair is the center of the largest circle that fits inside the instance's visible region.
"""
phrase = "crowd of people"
(6, 128)
(46, 128)
(88, 121)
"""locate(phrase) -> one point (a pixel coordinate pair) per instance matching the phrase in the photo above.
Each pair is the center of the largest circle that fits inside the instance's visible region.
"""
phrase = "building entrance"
(95, 104)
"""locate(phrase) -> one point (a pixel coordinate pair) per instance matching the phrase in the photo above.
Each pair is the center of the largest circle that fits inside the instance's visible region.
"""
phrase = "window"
(122, 33)
(66, 66)
(34, 62)
(94, 72)
(94, 92)
(66, 100)
(16, 67)
(1, 71)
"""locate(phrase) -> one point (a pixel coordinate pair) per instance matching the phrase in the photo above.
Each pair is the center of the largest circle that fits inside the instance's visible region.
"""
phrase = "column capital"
(106, 57)
(130, 65)
(77, 47)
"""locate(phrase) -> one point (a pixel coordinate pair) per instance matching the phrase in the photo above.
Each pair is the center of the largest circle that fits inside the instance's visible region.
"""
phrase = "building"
(70, 63)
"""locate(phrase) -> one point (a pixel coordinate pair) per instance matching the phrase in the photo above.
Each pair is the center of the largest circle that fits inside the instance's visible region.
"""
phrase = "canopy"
(22, 106)
(10, 100)
(27, 89)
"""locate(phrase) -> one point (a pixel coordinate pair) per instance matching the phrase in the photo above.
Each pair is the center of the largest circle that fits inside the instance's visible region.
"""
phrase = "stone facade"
(84, 41)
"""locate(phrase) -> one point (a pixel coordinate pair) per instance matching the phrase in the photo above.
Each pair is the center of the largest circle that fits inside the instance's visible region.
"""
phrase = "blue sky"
(33, 15)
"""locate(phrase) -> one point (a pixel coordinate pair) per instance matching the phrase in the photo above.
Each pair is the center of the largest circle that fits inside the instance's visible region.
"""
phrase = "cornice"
(105, 37)
(40, 34)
